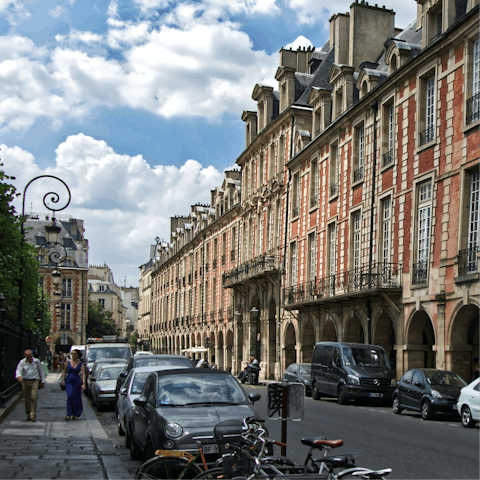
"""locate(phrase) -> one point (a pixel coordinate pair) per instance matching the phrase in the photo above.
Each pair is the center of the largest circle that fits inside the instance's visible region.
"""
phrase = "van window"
(365, 357)
(118, 351)
(325, 354)
(336, 356)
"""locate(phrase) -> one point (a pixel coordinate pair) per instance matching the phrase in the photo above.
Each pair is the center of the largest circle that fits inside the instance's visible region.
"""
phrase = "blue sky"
(136, 104)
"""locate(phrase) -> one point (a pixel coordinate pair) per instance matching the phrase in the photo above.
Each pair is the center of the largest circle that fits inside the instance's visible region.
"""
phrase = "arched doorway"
(384, 335)
(464, 350)
(63, 348)
(354, 331)
(421, 338)
(272, 338)
(290, 344)
(308, 342)
(329, 333)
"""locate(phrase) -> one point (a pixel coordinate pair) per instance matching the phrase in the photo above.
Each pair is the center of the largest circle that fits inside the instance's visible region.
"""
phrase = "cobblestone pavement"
(52, 447)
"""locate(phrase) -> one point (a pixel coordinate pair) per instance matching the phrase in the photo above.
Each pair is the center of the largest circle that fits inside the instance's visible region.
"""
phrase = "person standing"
(61, 361)
(55, 362)
(73, 377)
(29, 374)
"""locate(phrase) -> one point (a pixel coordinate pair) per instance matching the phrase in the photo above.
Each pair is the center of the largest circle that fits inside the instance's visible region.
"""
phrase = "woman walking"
(73, 377)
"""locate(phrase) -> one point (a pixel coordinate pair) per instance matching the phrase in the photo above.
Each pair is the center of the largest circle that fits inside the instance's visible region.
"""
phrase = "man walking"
(29, 372)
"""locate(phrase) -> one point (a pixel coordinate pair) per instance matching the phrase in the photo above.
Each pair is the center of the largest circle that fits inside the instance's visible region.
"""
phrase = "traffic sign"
(64, 339)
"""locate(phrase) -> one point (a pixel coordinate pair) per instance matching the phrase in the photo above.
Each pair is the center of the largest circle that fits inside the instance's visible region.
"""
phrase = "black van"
(351, 371)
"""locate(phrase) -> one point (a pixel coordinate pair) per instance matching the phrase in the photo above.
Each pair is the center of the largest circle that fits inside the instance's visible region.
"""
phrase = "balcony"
(388, 158)
(259, 266)
(333, 189)
(358, 174)
(428, 135)
(468, 261)
(381, 277)
(420, 271)
(314, 201)
(295, 212)
(473, 109)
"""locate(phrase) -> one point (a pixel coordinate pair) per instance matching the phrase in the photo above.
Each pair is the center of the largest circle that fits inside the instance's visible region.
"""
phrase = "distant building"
(68, 304)
(103, 289)
(130, 299)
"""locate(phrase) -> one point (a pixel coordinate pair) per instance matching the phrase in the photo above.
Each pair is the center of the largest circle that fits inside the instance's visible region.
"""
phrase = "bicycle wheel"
(212, 473)
(167, 468)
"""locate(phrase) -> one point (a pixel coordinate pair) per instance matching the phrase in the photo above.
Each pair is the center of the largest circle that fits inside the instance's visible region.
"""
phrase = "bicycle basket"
(228, 432)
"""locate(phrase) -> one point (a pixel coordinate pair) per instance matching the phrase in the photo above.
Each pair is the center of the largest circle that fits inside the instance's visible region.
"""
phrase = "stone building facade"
(68, 303)
(356, 214)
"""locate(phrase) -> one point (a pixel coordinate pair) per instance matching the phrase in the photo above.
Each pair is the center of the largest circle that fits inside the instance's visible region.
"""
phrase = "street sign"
(64, 339)
(295, 404)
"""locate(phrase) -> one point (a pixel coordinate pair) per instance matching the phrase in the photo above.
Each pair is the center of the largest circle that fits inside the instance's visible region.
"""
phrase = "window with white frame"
(312, 257)
(359, 154)
(278, 213)
(388, 137)
(423, 232)
(65, 316)
(386, 225)
(281, 154)
(331, 249)
(356, 240)
(260, 170)
(271, 228)
(314, 194)
(67, 288)
(473, 103)
(293, 264)
(334, 170)
(296, 196)
(468, 259)
(428, 134)
(260, 233)
(271, 161)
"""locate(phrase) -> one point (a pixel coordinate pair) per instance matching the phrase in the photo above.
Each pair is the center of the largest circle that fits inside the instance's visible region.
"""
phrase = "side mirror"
(140, 401)
(253, 397)
(123, 375)
(123, 391)
(418, 384)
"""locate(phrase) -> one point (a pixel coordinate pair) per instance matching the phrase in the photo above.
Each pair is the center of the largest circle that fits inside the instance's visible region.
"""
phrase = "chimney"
(250, 119)
(340, 32)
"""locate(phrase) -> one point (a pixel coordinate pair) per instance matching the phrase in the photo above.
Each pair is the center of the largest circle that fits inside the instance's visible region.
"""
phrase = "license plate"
(376, 395)
(210, 448)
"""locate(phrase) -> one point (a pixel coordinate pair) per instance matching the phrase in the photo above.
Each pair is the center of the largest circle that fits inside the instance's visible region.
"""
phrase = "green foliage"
(18, 260)
(100, 321)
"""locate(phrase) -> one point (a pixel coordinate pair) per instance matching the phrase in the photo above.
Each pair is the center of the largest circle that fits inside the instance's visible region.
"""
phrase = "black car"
(178, 407)
(428, 391)
(159, 360)
(299, 373)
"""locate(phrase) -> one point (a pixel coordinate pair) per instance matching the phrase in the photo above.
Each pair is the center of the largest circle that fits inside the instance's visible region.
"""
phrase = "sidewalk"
(53, 448)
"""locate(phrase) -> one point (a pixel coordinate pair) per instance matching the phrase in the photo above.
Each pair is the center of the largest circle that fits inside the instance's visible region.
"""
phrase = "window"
(67, 288)
(312, 257)
(278, 221)
(331, 249)
(428, 113)
(359, 153)
(101, 301)
(473, 103)
(65, 316)
(296, 196)
(271, 226)
(233, 240)
(386, 221)
(271, 161)
(388, 136)
(260, 233)
(101, 288)
(281, 154)
(314, 184)
(423, 232)
(293, 264)
(356, 241)
(260, 171)
(334, 170)
(434, 25)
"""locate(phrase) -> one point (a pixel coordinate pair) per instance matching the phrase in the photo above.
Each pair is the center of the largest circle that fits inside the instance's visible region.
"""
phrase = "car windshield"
(181, 390)
(110, 373)
(138, 381)
(435, 377)
(174, 362)
(365, 357)
(108, 352)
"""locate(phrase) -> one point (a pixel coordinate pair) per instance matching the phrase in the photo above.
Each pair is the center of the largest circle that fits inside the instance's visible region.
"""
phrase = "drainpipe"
(374, 106)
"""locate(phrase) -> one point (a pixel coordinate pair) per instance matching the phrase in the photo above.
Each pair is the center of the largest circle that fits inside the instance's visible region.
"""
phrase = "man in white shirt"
(29, 372)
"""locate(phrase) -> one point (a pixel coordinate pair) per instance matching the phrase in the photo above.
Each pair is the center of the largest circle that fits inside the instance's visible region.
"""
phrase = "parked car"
(159, 360)
(103, 385)
(96, 365)
(131, 389)
(351, 371)
(178, 406)
(428, 391)
(468, 405)
(141, 352)
(299, 373)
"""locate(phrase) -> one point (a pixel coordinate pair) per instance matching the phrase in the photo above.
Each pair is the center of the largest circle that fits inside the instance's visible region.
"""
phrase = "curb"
(11, 404)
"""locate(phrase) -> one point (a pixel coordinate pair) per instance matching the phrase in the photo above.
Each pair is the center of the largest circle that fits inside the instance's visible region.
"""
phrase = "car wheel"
(121, 431)
(315, 393)
(396, 406)
(467, 420)
(135, 452)
(426, 410)
(342, 397)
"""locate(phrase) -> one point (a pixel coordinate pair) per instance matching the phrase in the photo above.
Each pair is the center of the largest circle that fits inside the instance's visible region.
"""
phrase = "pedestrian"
(61, 361)
(55, 362)
(73, 377)
(30, 375)
(49, 359)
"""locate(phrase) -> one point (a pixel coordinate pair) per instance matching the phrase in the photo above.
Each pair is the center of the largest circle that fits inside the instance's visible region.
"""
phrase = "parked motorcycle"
(250, 374)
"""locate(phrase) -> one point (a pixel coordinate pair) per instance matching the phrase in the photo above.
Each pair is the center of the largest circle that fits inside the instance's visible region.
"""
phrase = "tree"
(100, 321)
(18, 260)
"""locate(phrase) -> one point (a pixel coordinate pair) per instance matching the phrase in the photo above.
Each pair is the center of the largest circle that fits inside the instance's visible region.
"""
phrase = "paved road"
(412, 447)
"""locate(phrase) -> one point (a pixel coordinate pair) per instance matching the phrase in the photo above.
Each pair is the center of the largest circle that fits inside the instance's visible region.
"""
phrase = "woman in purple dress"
(73, 377)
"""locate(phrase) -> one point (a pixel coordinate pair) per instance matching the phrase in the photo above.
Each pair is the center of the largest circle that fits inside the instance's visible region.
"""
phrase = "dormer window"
(364, 89)
(434, 22)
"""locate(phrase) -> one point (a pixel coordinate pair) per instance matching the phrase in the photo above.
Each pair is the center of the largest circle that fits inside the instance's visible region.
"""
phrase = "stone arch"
(290, 345)
(308, 342)
(354, 332)
(463, 341)
(272, 338)
(329, 331)
(255, 330)
(420, 341)
(63, 348)
(385, 336)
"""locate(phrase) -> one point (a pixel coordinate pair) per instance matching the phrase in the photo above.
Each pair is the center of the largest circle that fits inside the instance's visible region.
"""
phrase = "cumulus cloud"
(124, 201)
(15, 11)
(57, 12)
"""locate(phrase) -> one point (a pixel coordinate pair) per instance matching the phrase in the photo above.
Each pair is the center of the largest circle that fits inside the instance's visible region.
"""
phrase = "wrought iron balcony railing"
(468, 260)
(473, 109)
(427, 135)
(261, 265)
(333, 189)
(357, 281)
(232, 255)
(419, 274)
(295, 212)
(314, 201)
(388, 157)
(358, 174)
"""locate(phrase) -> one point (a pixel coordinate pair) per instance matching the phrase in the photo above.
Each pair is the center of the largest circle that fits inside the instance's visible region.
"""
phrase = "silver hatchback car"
(103, 385)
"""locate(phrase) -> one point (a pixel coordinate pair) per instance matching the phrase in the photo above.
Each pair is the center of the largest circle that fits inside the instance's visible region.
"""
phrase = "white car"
(468, 404)
(141, 352)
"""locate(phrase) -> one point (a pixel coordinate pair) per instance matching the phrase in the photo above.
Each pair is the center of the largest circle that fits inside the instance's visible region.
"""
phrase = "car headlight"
(436, 394)
(173, 430)
(354, 380)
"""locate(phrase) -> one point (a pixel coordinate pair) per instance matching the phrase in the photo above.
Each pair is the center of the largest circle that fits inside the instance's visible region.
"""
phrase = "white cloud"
(124, 201)
(300, 41)
(57, 12)
(15, 11)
